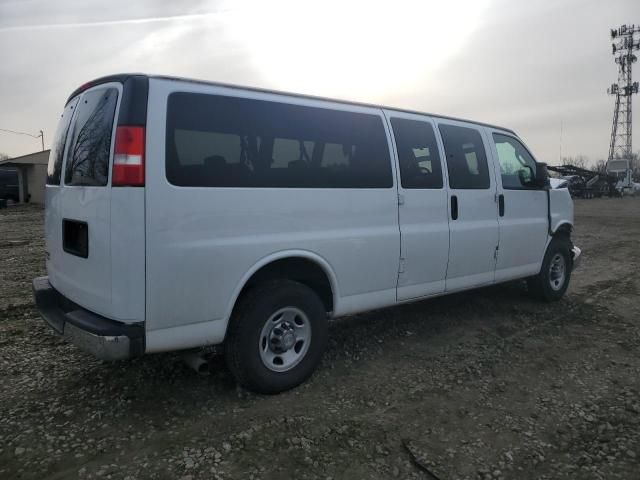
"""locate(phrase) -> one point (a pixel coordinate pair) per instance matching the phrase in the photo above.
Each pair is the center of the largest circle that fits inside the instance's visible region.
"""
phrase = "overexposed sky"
(527, 65)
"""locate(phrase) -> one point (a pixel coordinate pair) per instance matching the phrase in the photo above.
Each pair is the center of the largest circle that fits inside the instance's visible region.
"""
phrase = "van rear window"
(90, 147)
(54, 168)
(218, 141)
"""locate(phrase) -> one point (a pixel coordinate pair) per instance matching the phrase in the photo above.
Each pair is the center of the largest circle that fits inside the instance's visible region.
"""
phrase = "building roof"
(37, 158)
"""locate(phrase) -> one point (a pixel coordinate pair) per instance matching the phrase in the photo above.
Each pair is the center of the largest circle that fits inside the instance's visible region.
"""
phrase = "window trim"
(522, 187)
(119, 87)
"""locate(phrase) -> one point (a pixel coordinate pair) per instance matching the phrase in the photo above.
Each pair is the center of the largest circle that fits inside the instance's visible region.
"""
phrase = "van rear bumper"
(105, 339)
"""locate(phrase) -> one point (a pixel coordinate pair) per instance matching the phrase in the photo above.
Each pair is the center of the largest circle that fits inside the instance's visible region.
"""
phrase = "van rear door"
(86, 218)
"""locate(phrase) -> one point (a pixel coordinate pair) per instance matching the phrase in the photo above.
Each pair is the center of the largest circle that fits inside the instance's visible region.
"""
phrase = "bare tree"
(580, 161)
(601, 166)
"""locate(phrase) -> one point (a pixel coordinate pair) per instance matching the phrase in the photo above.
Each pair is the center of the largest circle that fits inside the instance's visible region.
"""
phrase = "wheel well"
(563, 230)
(297, 269)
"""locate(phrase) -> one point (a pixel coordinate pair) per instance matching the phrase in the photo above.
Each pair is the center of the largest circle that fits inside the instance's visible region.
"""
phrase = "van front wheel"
(553, 280)
(276, 337)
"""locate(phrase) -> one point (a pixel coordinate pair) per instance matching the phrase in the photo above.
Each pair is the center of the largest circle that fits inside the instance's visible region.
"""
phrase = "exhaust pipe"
(196, 360)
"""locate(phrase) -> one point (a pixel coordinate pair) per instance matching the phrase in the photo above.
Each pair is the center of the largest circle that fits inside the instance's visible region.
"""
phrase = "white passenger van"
(183, 213)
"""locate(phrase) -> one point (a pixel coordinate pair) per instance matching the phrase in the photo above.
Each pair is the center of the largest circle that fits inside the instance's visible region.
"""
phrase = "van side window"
(287, 151)
(218, 141)
(90, 148)
(417, 154)
(466, 157)
(517, 166)
(54, 168)
(335, 155)
(196, 145)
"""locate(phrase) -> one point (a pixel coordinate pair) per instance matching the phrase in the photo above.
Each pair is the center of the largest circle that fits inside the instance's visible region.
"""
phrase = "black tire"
(245, 334)
(545, 286)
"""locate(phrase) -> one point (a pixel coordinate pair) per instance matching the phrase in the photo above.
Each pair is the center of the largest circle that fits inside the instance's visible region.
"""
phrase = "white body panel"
(127, 254)
(523, 234)
(561, 208)
(473, 237)
(110, 281)
(424, 232)
(202, 241)
(86, 281)
(523, 227)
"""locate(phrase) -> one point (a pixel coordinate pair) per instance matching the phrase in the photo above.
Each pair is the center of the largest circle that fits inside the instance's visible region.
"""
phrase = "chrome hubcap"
(557, 271)
(285, 339)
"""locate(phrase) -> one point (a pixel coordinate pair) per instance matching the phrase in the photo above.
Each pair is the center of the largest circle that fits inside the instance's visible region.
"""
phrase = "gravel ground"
(482, 385)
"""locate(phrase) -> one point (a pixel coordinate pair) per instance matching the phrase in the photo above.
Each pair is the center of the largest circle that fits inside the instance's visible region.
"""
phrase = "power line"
(40, 135)
(19, 133)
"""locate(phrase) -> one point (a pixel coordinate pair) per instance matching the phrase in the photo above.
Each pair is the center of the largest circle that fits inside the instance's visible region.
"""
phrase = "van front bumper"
(105, 339)
(575, 253)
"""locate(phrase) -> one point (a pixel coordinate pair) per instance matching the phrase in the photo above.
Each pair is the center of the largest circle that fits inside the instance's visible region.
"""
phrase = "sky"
(538, 67)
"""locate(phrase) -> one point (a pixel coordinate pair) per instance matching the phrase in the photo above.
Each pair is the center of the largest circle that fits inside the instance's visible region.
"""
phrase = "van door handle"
(454, 207)
(501, 205)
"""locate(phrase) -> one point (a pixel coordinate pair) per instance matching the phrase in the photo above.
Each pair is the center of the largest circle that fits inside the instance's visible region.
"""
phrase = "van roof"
(121, 77)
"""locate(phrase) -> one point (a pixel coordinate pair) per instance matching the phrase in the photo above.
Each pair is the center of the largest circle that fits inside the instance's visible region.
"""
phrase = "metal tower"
(626, 40)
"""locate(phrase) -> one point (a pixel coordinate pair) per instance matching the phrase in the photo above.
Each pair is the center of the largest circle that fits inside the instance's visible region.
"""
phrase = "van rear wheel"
(276, 337)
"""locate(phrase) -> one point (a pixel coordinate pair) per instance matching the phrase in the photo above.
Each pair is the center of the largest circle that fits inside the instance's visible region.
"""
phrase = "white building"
(32, 175)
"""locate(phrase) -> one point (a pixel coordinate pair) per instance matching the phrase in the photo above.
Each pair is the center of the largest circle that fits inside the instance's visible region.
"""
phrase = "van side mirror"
(541, 179)
(534, 179)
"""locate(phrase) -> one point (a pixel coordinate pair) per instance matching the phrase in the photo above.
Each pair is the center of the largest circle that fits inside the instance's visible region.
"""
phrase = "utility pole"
(626, 40)
(560, 162)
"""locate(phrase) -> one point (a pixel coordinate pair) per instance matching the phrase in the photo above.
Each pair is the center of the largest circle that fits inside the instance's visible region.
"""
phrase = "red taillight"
(128, 157)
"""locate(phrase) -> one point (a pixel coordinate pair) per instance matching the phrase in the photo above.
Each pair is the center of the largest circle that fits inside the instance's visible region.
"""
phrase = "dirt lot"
(487, 384)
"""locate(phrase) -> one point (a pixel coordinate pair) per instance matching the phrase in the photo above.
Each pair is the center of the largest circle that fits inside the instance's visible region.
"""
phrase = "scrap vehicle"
(585, 183)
